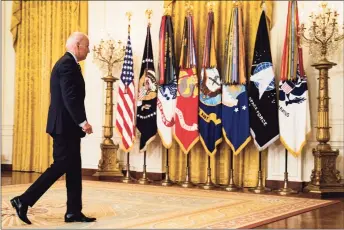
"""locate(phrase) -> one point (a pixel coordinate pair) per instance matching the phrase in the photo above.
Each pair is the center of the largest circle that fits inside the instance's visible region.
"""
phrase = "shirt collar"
(76, 60)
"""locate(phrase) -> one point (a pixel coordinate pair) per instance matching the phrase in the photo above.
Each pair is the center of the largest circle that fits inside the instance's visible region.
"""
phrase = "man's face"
(82, 49)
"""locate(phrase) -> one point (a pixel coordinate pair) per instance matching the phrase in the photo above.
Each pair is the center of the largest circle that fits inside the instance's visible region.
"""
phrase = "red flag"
(186, 127)
(186, 117)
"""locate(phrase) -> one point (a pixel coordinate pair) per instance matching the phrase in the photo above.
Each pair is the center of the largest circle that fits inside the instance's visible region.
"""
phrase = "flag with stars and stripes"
(209, 113)
(167, 94)
(125, 118)
(262, 91)
(235, 109)
(294, 119)
(147, 96)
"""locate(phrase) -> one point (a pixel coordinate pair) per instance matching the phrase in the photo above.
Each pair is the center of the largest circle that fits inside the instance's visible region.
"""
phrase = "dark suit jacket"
(67, 90)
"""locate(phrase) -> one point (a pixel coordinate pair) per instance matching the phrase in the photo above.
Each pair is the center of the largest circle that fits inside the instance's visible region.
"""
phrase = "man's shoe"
(21, 209)
(80, 217)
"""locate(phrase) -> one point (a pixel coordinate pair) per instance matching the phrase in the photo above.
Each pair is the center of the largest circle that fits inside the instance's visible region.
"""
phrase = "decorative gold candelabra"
(323, 40)
(106, 55)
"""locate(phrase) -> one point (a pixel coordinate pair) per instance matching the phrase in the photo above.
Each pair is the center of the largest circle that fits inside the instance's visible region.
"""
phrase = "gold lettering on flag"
(210, 117)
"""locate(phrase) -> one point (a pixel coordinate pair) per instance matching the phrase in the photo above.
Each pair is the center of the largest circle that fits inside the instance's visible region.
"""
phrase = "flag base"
(232, 188)
(259, 190)
(108, 165)
(286, 191)
(166, 183)
(144, 181)
(187, 184)
(209, 185)
(325, 178)
(128, 180)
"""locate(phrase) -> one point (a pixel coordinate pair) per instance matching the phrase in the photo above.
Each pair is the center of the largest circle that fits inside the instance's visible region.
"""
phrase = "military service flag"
(167, 93)
(294, 122)
(186, 117)
(210, 93)
(262, 92)
(235, 111)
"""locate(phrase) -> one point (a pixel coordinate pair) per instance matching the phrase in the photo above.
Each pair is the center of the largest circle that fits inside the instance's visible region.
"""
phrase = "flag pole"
(144, 179)
(285, 190)
(209, 185)
(127, 178)
(231, 187)
(260, 188)
(187, 183)
(167, 181)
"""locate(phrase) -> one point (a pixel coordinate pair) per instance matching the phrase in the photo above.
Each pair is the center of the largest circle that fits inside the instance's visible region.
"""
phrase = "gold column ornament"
(323, 40)
(106, 55)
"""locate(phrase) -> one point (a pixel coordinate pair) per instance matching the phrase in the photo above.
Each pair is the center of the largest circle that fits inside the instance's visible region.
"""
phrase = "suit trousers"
(67, 159)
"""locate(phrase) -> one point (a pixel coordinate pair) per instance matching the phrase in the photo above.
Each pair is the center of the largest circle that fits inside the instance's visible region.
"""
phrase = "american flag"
(125, 119)
(287, 87)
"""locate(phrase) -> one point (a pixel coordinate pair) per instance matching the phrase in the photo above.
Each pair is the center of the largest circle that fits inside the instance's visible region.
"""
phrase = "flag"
(167, 93)
(210, 94)
(125, 119)
(293, 110)
(235, 108)
(262, 92)
(147, 96)
(186, 117)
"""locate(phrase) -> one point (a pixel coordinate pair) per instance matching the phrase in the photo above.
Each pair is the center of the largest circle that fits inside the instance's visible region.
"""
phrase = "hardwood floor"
(330, 217)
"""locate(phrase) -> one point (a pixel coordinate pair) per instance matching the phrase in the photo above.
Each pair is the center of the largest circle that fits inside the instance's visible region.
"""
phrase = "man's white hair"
(75, 38)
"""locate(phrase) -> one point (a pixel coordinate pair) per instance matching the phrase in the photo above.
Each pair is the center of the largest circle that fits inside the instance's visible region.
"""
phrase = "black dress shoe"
(21, 209)
(80, 217)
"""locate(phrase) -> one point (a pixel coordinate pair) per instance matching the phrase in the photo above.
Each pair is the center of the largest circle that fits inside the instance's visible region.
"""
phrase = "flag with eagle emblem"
(210, 93)
(186, 113)
(167, 93)
(147, 96)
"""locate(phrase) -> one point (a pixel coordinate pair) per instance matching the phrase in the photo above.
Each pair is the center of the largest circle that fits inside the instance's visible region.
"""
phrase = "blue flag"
(210, 94)
(235, 113)
(235, 109)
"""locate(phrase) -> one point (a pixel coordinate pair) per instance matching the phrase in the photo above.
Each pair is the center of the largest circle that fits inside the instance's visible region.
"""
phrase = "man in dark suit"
(67, 124)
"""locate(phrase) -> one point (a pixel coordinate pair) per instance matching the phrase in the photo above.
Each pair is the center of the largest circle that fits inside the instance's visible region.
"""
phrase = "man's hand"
(87, 128)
